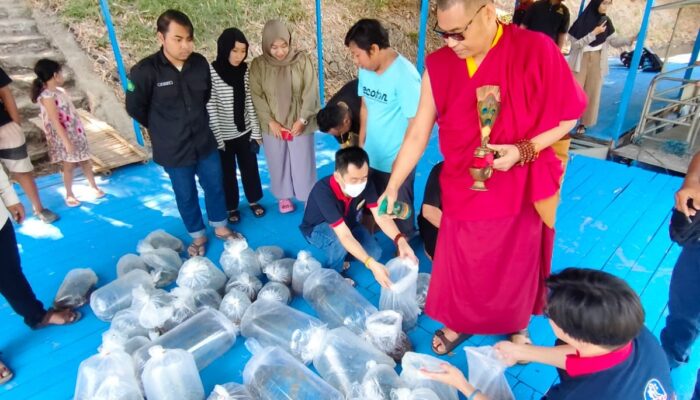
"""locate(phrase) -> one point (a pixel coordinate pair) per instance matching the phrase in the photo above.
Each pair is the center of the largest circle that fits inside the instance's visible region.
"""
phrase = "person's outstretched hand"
(390, 194)
(405, 250)
(381, 275)
(450, 375)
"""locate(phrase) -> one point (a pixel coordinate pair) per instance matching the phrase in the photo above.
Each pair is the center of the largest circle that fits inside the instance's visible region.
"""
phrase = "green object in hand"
(401, 209)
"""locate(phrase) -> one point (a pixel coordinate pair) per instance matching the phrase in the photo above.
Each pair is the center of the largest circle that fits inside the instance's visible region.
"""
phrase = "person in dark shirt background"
(550, 17)
(168, 94)
(431, 211)
(341, 116)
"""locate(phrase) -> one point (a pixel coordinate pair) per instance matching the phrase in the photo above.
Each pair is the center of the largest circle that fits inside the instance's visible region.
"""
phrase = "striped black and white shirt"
(220, 108)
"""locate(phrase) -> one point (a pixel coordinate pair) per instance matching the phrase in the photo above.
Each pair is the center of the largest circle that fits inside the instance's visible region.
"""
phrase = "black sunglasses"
(458, 36)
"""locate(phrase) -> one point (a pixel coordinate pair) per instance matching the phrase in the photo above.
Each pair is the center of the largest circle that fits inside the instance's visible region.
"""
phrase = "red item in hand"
(481, 162)
(286, 135)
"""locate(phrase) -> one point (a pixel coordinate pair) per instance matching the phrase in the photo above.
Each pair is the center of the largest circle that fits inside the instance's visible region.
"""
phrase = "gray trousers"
(292, 166)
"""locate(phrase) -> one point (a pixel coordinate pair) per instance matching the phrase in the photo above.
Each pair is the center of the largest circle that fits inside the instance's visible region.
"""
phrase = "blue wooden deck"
(612, 217)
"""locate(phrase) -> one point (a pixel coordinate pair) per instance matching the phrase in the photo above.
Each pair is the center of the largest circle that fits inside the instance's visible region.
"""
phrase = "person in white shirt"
(13, 284)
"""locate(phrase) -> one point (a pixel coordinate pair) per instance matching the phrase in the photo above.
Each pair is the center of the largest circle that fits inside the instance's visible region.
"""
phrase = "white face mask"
(355, 189)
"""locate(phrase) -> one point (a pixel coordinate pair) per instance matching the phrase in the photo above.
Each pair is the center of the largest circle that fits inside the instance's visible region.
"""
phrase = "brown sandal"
(5, 374)
(197, 249)
(69, 317)
(448, 345)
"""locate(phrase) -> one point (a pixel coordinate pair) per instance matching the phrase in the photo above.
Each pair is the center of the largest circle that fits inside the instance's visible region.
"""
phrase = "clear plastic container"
(385, 333)
(487, 372)
(234, 305)
(111, 367)
(380, 382)
(164, 265)
(155, 306)
(171, 374)
(207, 336)
(230, 391)
(336, 302)
(422, 289)
(267, 254)
(117, 295)
(160, 239)
(238, 258)
(303, 267)
(274, 374)
(275, 291)
(75, 288)
(401, 296)
(199, 273)
(346, 358)
(411, 365)
(130, 262)
(126, 323)
(275, 324)
(246, 283)
(280, 271)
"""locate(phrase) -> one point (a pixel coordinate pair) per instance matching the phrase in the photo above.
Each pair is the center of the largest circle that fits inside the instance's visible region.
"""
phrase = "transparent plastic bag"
(184, 306)
(385, 333)
(135, 343)
(117, 295)
(275, 291)
(160, 239)
(207, 298)
(155, 306)
(336, 302)
(111, 367)
(487, 372)
(130, 262)
(401, 296)
(114, 388)
(234, 305)
(303, 267)
(75, 288)
(280, 271)
(380, 382)
(126, 323)
(238, 258)
(275, 324)
(207, 336)
(414, 394)
(411, 365)
(346, 358)
(164, 264)
(246, 283)
(267, 254)
(272, 373)
(422, 289)
(171, 374)
(230, 391)
(199, 273)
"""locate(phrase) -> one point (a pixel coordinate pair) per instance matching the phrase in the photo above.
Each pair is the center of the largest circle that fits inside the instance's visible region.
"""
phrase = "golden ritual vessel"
(488, 101)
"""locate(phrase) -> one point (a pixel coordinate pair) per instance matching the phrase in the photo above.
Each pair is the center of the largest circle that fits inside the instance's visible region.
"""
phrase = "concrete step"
(23, 77)
(14, 10)
(13, 39)
(32, 45)
(29, 110)
(26, 59)
(17, 26)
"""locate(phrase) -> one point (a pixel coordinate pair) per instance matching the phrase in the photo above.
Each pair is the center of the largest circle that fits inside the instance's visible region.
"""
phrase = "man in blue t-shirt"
(390, 89)
(604, 350)
(331, 217)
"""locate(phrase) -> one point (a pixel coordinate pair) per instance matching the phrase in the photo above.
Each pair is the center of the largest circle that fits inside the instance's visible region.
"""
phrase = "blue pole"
(319, 49)
(104, 6)
(631, 75)
(583, 6)
(422, 29)
(693, 56)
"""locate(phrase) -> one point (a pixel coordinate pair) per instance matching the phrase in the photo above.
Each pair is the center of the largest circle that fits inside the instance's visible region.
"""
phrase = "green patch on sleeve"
(130, 85)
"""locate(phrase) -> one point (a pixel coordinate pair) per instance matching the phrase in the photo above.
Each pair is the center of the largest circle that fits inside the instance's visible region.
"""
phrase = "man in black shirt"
(341, 116)
(168, 93)
(550, 17)
(431, 211)
(13, 150)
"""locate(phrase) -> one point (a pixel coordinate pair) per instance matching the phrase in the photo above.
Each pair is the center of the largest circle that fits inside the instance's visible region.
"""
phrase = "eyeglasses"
(458, 36)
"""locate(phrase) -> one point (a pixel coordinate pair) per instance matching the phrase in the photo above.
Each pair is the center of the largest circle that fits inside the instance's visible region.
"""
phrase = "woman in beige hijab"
(285, 93)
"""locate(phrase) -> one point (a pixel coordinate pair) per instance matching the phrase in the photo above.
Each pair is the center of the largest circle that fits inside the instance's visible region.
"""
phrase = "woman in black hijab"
(590, 36)
(235, 125)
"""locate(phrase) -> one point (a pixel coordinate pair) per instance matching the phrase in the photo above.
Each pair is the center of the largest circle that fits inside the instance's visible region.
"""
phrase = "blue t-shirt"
(643, 375)
(391, 100)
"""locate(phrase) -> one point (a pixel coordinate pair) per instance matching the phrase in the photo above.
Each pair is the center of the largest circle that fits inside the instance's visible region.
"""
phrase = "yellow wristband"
(367, 261)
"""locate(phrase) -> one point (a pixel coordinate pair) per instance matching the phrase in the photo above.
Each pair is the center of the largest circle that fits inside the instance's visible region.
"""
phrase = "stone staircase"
(21, 46)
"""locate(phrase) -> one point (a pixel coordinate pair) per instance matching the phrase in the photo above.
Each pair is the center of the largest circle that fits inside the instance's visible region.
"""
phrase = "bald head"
(468, 4)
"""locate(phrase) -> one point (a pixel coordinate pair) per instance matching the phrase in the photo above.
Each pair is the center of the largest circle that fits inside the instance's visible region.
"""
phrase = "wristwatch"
(304, 121)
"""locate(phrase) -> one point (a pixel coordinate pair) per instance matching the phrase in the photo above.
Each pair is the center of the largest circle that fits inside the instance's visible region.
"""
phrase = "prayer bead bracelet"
(527, 151)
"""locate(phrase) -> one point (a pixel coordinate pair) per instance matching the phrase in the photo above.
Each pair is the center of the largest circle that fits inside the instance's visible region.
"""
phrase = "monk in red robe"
(494, 247)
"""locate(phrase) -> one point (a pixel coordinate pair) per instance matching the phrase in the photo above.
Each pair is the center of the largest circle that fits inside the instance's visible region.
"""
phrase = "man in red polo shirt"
(604, 350)
(333, 210)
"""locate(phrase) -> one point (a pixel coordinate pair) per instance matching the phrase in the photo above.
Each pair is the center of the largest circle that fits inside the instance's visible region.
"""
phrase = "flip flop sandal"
(5, 374)
(234, 216)
(47, 216)
(581, 130)
(447, 344)
(99, 193)
(258, 210)
(228, 236)
(197, 249)
(70, 317)
(72, 202)
(286, 206)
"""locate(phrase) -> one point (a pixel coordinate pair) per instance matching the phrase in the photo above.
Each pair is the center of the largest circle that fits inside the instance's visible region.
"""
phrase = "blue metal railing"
(319, 50)
(422, 30)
